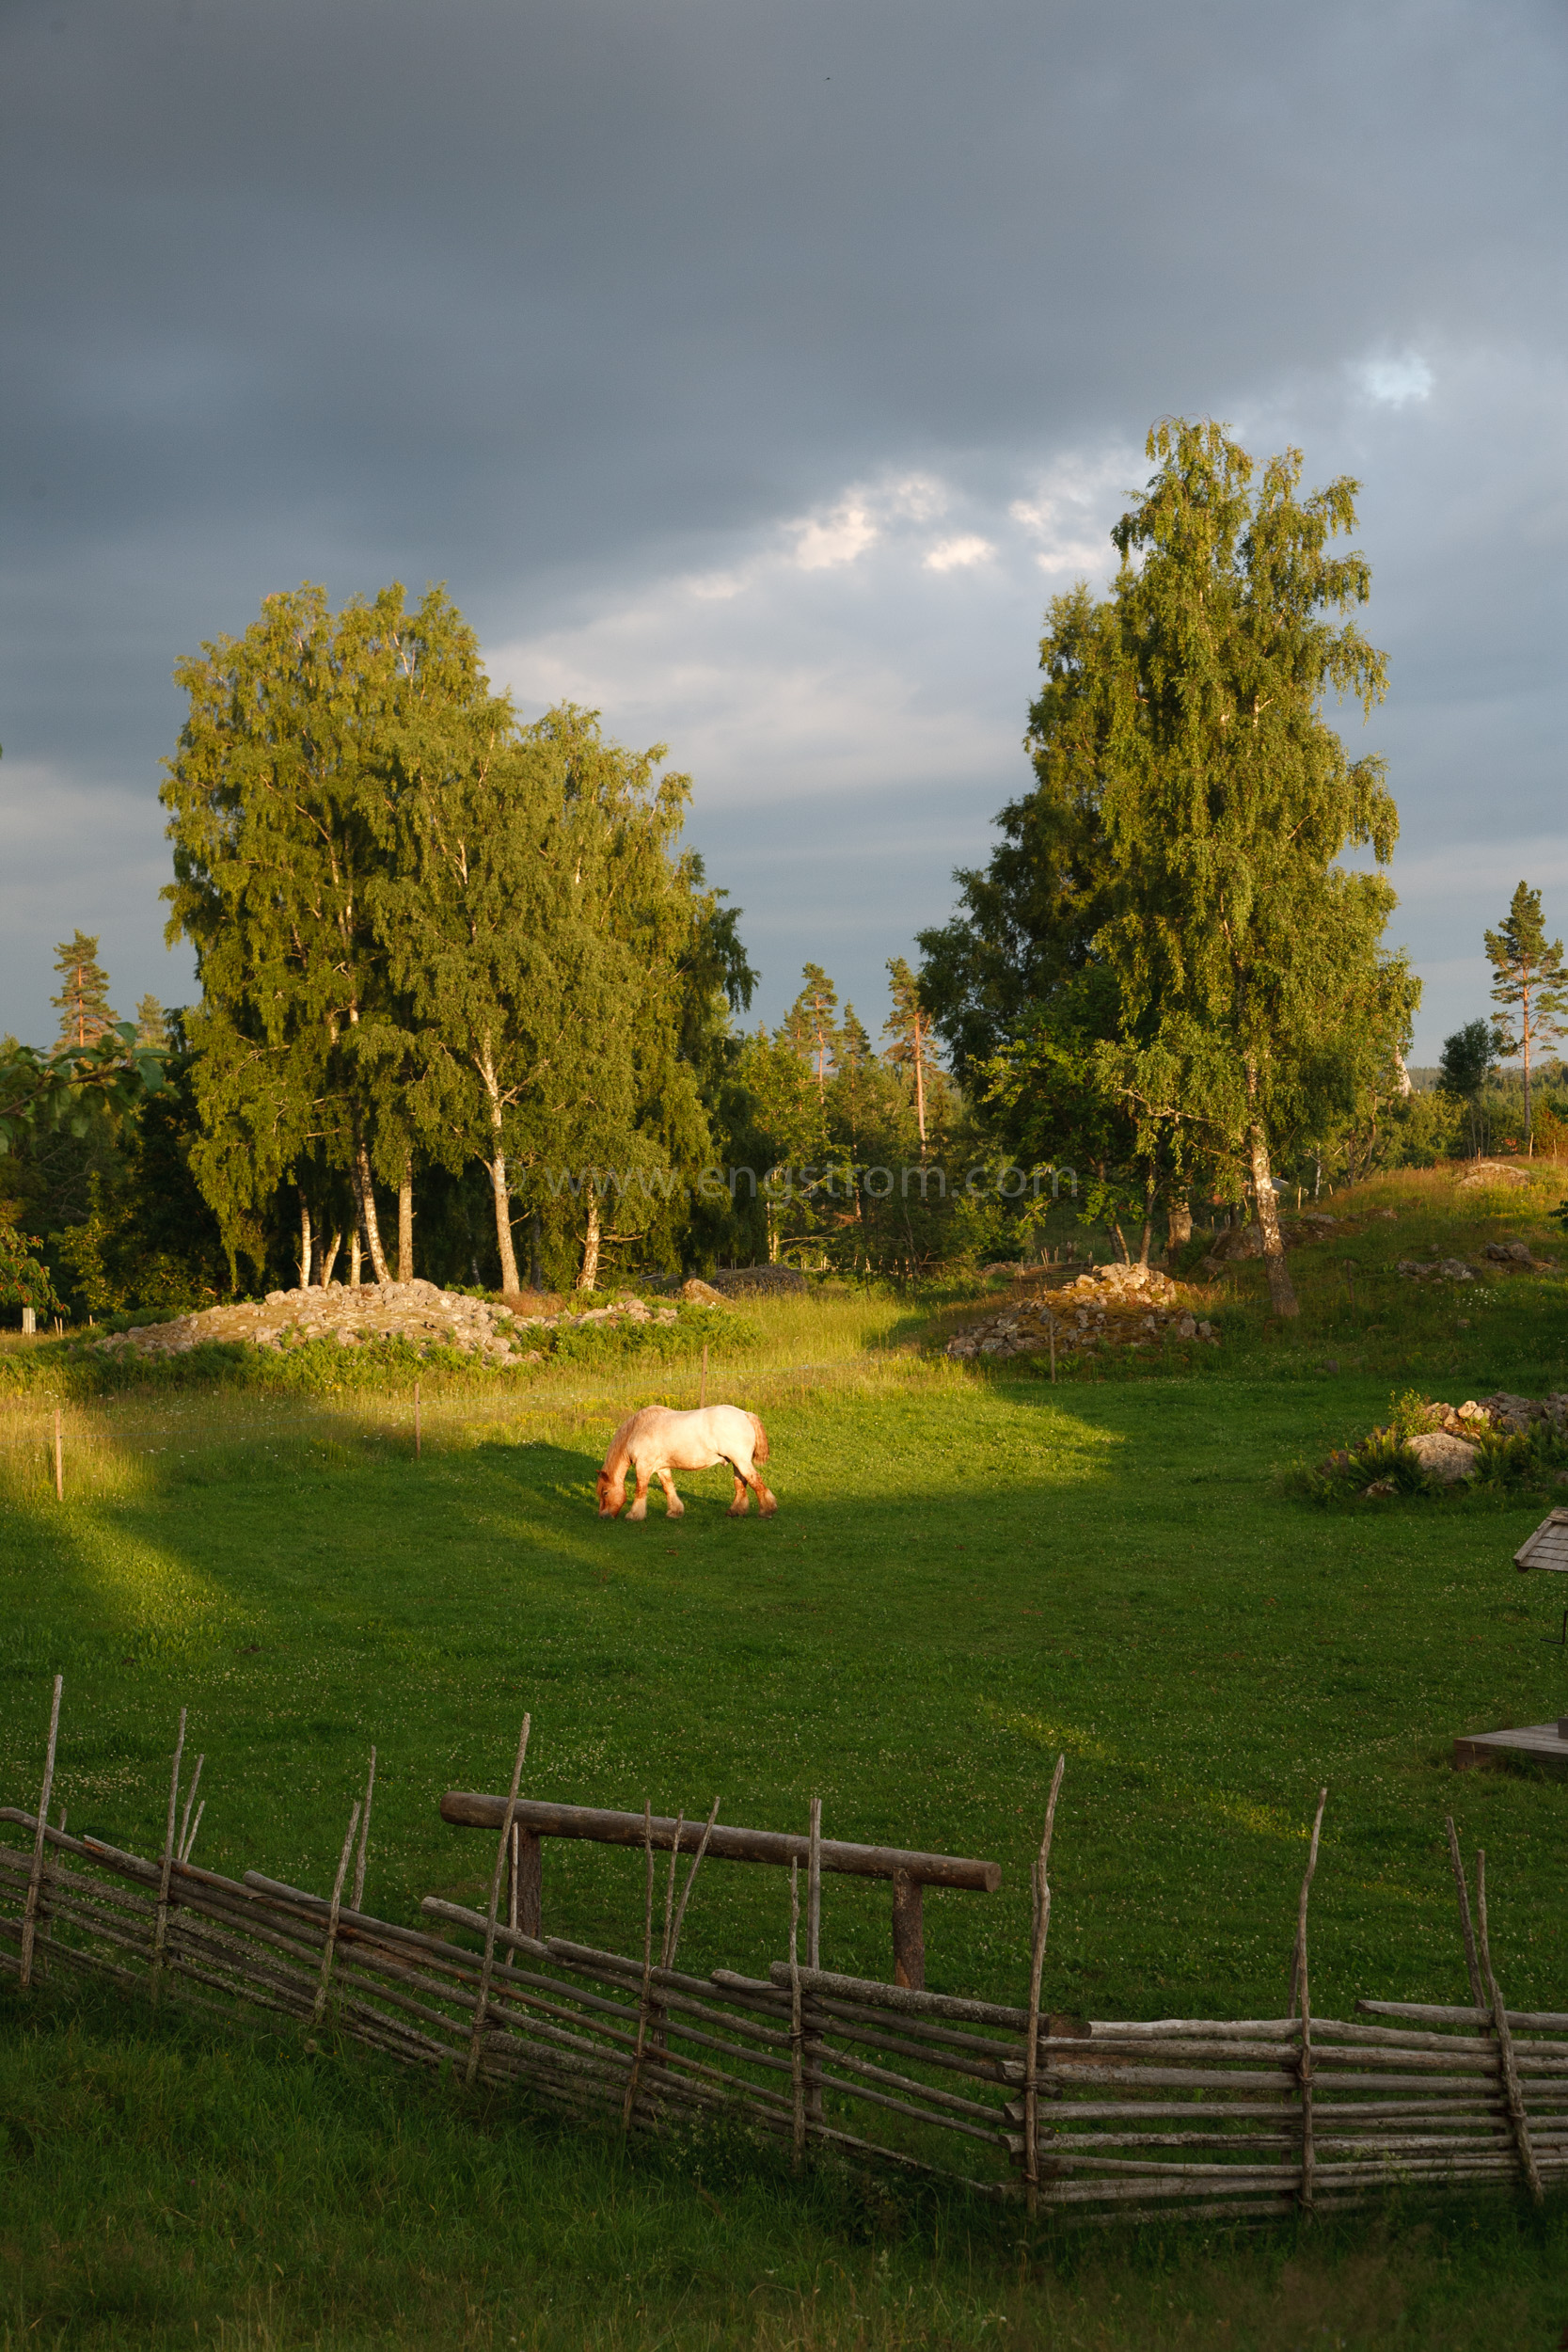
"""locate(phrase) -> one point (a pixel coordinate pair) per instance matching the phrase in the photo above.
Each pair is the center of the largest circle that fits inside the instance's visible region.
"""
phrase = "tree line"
(466, 1002)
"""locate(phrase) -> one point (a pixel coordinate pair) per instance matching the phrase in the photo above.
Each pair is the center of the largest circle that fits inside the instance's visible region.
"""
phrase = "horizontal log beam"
(469, 1809)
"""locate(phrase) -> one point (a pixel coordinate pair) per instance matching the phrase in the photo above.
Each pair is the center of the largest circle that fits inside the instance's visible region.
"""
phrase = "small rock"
(1333, 1364)
(1380, 1487)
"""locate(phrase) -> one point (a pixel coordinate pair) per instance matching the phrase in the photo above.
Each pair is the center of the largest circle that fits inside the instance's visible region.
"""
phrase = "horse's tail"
(759, 1451)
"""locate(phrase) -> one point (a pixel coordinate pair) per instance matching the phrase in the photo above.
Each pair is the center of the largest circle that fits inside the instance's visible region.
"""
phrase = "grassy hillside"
(968, 1572)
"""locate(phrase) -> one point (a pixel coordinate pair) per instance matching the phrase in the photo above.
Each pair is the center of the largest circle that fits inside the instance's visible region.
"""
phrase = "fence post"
(60, 1461)
(35, 1882)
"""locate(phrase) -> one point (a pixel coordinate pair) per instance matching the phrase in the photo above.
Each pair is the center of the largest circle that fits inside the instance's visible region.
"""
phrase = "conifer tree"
(1529, 984)
(151, 1024)
(810, 1025)
(909, 1028)
(83, 1003)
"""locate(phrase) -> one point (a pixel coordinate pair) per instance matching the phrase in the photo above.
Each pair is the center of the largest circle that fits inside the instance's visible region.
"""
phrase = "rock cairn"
(418, 1313)
(1448, 1448)
(1115, 1305)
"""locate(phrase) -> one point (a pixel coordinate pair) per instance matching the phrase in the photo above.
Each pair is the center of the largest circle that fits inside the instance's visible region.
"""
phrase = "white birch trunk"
(589, 1278)
(406, 1225)
(329, 1258)
(1282, 1296)
(364, 1191)
(305, 1251)
(497, 1166)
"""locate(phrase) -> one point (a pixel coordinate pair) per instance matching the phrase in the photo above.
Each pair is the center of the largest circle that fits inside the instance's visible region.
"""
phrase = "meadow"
(969, 1573)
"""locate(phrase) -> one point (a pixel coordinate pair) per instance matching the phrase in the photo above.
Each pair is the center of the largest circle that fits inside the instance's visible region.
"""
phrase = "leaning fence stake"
(1300, 1993)
(160, 1933)
(1036, 1969)
(183, 1843)
(675, 1937)
(416, 1421)
(35, 1882)
(364, 1841)
(488, 1969)
(1478, 1994)
(1507, 2067)
(318, 2008)
(60, 1461)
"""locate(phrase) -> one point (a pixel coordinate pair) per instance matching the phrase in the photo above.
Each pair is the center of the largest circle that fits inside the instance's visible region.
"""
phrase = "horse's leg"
(748, 1475)
(640, 1500)
(673, 1507)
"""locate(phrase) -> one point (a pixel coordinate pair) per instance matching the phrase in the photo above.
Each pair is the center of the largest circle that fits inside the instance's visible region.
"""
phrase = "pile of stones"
(1115, 1305)
(1447, 1449)
(352, 1315)
(1435, 1270)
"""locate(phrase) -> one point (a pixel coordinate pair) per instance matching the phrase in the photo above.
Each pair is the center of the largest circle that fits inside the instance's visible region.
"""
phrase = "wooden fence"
(1211, 2119)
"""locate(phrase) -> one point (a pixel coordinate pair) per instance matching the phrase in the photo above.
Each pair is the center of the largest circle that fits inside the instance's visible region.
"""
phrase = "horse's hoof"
(735, 1511)
(768, 1509)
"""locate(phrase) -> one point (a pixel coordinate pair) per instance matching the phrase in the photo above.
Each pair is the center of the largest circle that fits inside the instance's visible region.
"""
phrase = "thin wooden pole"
(1478, 1994)
(60, 1461)
(1050, 1321)
(1506, 2064)
(814, 1949)
(160, 1931)
(796, 2064)
(701, 1389)
(674, 1938)
(357, 1904)
(485, 1973)
(318, 2008)
(35, 1882)
(1036, 1969)
(1299, 1991)
(630, 2100)
(186, 1838)
(416, 1421)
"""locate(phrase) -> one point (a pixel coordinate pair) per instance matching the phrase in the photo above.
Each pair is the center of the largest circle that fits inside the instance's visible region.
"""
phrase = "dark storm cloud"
(573, 305)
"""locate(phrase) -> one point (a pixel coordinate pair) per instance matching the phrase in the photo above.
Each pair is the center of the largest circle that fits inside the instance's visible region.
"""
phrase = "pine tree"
(1530, 983)
(86, 1012)
(809, 1025)
(909, 1028)
(152, 1026)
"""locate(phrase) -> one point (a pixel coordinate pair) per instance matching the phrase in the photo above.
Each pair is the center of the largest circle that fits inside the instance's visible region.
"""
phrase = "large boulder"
(1444, 1459)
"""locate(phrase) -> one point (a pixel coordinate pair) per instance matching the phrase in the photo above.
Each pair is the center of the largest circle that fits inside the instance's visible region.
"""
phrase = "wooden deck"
(1546, 1742)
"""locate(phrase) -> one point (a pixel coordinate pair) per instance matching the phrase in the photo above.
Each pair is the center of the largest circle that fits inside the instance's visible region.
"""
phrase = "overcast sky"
(755, 373)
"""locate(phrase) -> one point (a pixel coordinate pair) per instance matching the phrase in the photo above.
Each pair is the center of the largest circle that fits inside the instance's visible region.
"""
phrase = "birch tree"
(537, 917)
(278, 800)
(1244, 952)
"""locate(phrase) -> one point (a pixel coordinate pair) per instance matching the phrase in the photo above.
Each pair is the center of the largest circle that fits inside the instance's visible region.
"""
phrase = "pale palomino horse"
(656, 1442)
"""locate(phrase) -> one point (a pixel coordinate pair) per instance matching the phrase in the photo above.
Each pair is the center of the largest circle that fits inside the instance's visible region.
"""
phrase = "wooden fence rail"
(1092, 2119)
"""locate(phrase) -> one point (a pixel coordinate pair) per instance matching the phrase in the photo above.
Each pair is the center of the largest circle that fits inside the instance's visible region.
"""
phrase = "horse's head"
(613, 1494)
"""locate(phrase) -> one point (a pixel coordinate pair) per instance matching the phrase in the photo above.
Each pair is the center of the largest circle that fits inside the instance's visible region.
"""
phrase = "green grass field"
(967, 1574)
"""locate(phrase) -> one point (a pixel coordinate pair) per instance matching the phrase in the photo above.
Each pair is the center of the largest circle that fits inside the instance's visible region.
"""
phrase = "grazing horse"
(654, 1441)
